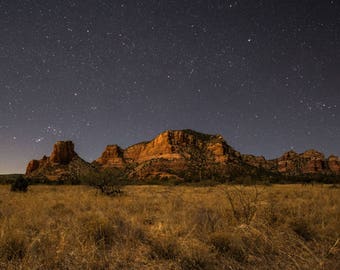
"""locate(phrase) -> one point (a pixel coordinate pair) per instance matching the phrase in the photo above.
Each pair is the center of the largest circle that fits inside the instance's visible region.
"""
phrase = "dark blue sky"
(264, 74)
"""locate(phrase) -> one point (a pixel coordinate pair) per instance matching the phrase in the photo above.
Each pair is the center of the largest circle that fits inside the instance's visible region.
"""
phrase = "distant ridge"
(182, 155)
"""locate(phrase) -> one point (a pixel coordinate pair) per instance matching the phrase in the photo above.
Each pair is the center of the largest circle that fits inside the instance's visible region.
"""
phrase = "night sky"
(263, 74)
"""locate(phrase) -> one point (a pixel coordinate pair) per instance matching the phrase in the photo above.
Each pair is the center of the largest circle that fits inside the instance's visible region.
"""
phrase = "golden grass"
(162, 227)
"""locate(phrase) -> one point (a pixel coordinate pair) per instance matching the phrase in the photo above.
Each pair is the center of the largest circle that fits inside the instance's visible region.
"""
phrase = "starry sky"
(263, 74)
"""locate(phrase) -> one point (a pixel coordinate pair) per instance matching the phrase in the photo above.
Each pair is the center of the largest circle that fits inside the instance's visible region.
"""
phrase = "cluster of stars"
(123, 71)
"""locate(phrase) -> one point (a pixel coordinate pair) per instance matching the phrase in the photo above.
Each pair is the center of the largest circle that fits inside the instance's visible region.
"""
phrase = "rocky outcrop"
(32, 166)
(111, 157)
(313, 162)
(182, 144)
(334, 164)
(309, 162)
(63, 164)
(181, 154)
(63, 152)
(288, 163)
(174, 152)
(259, 162)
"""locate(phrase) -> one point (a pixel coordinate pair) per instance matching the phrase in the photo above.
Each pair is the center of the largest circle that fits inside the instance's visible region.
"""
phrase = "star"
(38, 140)
(102, 72)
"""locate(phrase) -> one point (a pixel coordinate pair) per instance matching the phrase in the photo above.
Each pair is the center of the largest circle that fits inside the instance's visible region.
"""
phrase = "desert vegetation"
(171, 227)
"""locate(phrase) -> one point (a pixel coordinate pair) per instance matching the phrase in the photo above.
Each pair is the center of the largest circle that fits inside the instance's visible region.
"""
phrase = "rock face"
(63, 164)
(288, 163)
(291, 163)
(309, 162)
(173, 152)
(113, 156)
(181, 154)
(32, 166)
(259, 162)
(313, 162)
(334, 164)
(63, 152)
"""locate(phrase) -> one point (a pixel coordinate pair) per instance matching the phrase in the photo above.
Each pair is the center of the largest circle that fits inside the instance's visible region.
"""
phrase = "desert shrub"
(221, 241)
(244, 180)
(107, 231)
(164, 248)
(13, 246)
(60, 212)
(20, 184)
(272, 210)
(109, 189)
(57, 227)
(243, 243)
(196, 255)
(108, 182)
(33, 180)
(243, 202)
(335, 186)
(230, 245)
(302, 228)
(100, 230)
(8, 179)
(206, 220)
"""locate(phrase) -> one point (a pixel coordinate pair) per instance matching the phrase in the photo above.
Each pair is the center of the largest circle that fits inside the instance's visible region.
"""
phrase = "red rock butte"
(179, 153)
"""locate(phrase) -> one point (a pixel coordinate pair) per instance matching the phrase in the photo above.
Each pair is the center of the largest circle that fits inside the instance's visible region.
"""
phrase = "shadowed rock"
(63, 152)
(63, 164)
(334, 164)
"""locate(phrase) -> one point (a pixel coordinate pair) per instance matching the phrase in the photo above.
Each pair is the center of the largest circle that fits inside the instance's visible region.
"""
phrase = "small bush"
(12, 247)
(302, 228)
(196, 255)
(107, 181)
(230, 245)
(165, 248)
(206, 220)
(20, 184)
(107, 231)
(221, 242)
(244, 202)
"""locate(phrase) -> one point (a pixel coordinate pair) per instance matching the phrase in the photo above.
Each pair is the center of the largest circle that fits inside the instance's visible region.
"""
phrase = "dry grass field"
(164, 227)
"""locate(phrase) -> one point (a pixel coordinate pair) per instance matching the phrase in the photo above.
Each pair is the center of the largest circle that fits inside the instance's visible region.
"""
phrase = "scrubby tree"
(20, 184)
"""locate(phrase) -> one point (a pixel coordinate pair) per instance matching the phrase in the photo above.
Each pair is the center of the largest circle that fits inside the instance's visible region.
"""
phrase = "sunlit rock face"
(177, 144)
(177, 152)
(172, 151)
(111, 157)
(180, 154)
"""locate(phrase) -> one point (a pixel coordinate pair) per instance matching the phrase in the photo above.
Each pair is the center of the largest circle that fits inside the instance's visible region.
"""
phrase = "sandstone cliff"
(310, 162)
(186, 153)
(182, 155)
(334, 164)
(259, 162)
(173, 153)
(63, 164)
